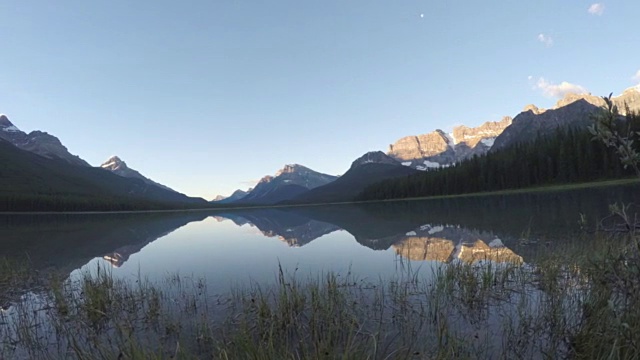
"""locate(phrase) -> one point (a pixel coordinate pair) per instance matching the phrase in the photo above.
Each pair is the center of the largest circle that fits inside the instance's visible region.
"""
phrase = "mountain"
(119, 167)
(37, 142)
(370, 168)
(29, 182)
(447, 243)
(438, 149)
(237, 195)
(573, 111)
(290, 181)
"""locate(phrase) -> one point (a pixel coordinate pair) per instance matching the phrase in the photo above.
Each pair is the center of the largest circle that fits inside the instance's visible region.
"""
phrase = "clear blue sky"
(206, 96)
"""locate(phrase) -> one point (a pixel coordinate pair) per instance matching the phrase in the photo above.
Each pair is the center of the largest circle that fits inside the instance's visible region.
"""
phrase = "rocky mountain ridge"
(371, 167)
(288, 182)
(377, 157)
(438, 149)
(572, 111)
(119, 167)
(237, 195)
(37, 142)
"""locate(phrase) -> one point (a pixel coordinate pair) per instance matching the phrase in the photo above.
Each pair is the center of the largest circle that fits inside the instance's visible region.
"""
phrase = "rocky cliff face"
(478, 141)
(37, 142)
(421, 146)
(573, 111)
(438, 148)
(119, 167)
(629, 98)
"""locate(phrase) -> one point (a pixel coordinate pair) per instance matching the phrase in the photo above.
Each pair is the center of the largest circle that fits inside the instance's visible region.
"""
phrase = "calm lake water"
(371, 241)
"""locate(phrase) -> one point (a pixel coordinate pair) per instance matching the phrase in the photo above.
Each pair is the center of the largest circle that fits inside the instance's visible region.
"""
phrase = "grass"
(536, 189)
(581, 302)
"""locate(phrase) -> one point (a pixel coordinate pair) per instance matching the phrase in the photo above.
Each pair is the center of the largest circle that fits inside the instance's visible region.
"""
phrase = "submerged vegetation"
(582, 302)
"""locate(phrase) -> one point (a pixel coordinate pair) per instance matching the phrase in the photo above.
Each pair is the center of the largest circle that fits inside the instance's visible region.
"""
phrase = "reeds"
(583, 303)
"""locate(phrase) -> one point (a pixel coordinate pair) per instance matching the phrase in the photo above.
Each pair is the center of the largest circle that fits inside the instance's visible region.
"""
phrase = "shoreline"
(537, 189)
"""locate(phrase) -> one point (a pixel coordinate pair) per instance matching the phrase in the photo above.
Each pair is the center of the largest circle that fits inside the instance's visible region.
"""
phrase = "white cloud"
(636, 77)
(596, 9)
(545, 39)
(249, 182)
(550, 89)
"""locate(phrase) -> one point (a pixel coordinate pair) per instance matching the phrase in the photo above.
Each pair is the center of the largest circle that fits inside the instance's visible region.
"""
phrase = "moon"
(421, 15)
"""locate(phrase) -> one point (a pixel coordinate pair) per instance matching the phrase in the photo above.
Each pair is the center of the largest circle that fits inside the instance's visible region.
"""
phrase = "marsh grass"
(582, 301)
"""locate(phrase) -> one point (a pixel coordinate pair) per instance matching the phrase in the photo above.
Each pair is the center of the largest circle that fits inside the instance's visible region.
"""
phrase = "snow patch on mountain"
(496, 243)
(452, 140)
(436, 229)
(11, 128)
(489, 141)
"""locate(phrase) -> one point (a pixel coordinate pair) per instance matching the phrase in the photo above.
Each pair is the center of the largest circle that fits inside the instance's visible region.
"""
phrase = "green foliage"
(618, 133)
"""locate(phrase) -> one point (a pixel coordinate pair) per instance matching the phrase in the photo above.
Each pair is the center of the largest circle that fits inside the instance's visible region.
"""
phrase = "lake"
(369, 240)
(471, 277)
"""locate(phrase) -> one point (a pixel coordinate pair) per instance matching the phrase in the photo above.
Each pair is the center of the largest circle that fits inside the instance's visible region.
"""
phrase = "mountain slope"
(370, 168)
(287, 183)
(31, 182)
(37, 142)
(573, 111)
(120, 168)
(295, 230)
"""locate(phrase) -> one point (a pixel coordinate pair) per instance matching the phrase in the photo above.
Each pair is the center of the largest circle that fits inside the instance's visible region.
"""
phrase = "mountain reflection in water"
(508, 228)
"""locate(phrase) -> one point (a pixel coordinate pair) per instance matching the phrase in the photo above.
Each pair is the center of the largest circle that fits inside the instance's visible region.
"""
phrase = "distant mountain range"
(38, 165)
(237, 195)
(39, 173)
(288, 182)
(37, 142)
(119, 167)
(370, 168)
(438, 149)
(431, 151)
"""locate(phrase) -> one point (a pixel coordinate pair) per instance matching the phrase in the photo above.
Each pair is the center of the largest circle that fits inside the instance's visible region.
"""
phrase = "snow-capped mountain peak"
(6, 125)
(119, 167)
(291, 168)
(114, 163)
(37, 142)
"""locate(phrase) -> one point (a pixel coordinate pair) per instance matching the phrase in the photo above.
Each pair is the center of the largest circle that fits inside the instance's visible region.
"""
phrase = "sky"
(208, 96)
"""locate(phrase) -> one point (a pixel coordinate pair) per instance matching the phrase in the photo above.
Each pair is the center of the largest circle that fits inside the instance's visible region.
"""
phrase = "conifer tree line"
(566, 156)
(70, 202)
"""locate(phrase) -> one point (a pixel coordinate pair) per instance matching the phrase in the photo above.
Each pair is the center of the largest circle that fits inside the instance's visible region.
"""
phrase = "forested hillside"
(567, 156)
(29, 182)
